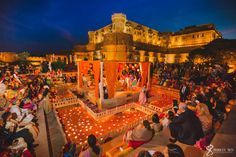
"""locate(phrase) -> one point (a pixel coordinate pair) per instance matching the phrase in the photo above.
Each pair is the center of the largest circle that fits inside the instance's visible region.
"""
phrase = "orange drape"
(83, 69)
(144, 66)
(96, 68)
(111, 76)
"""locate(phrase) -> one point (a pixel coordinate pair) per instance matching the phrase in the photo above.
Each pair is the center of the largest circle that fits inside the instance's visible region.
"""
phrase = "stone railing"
(65, 102)
(159, 109)
(107, 112)
(145, 109)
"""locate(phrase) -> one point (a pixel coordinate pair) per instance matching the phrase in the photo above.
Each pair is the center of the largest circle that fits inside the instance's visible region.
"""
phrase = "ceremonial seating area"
(201, 109)
(23, 98)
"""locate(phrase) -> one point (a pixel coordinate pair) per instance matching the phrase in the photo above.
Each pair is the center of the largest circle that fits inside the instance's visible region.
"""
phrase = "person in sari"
(205, 117)
(93, 150)
(143, 96)
(156, 125)
(143, 133)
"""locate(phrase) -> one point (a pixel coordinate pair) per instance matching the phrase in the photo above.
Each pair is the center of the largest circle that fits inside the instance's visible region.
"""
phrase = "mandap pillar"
(101, 92)
(142, 55)
(78, 75)
(91, 55)
(151, 57)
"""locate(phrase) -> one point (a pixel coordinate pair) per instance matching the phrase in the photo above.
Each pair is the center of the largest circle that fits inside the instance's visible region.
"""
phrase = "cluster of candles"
(164, 97)
(163, 100)
(61, 93)
(78, 124)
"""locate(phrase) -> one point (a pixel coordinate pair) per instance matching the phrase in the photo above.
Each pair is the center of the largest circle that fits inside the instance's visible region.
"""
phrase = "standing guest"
(45, 103)
(105, 91)
(93, 150)
(143, 96)
(184, 92)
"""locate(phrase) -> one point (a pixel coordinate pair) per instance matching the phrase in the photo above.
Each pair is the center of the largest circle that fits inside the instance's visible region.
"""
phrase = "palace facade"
(8, 57)
(125, 40)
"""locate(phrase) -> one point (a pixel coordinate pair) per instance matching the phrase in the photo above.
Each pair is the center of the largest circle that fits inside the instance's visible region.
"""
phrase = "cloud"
(12, 22)
(229, 31)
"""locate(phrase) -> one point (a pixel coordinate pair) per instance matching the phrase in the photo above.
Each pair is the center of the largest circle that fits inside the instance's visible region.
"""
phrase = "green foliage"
(58, 65)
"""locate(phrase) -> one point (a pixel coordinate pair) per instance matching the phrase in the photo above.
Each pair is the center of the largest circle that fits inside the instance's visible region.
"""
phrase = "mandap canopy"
(110, 71)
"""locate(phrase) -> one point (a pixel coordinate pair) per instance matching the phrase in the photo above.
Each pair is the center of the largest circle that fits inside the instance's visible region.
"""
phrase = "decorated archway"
(97, 75)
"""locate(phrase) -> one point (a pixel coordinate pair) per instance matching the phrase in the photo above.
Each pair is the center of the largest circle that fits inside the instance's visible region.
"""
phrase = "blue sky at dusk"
(42, 26)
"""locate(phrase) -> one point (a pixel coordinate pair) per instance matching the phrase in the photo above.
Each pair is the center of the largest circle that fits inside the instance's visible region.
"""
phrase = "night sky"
(42, 26)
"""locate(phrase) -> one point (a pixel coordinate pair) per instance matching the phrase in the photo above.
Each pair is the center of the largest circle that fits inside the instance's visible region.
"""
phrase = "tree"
(23, 56)
(58, 65)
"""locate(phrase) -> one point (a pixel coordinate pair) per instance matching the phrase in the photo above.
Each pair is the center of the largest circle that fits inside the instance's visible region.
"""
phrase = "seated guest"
(186, 127)
(156, 125)
(158, 154)
(144, 153)
(139, 135)
(173, 150)
(220, 110)
(69, 149)
(19, 148)
(211, 106)
(166, 121)
(205, 117)
(93, 150)
(175, 106)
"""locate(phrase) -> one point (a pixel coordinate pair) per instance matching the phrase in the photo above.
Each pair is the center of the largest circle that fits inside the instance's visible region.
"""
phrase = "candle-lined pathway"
(78, 124)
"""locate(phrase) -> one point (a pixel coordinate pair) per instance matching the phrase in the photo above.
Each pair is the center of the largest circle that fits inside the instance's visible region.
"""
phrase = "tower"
(118, 22)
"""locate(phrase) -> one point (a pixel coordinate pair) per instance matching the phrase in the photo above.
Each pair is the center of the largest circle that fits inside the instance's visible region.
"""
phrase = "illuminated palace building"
(125, 40)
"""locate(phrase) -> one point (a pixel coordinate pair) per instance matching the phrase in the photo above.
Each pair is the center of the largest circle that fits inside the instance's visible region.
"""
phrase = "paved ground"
(42, 149)
(56, 136)
(224, 141)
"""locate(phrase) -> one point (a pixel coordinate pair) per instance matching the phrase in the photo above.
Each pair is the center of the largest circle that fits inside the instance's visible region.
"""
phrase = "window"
(202, 34)
(193, 36)
(214, 35)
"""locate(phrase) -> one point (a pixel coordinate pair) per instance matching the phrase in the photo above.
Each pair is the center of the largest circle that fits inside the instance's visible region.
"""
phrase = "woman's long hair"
(147, 124)
(155, 118)
(92, 140)
(175, 150)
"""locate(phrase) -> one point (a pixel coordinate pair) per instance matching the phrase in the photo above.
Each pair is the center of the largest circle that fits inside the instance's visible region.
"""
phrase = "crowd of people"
(194, 119)
(129, 76)
(18, 112)
(204, 93)
(202, 108)
(173, 75)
